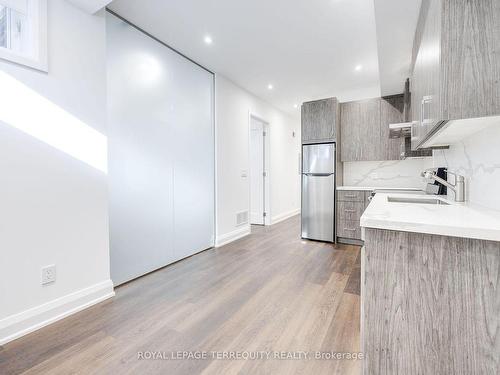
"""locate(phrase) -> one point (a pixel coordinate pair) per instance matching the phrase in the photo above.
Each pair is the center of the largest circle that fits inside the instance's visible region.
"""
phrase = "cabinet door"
(391, 112)
(426, 108)
(318, 121)
(416, 99)
(470, 56)
(431, 54)
(349, 130)
(360, 128)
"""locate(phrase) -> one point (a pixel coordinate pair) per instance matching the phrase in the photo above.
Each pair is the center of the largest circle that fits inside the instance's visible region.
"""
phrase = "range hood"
(401, 130)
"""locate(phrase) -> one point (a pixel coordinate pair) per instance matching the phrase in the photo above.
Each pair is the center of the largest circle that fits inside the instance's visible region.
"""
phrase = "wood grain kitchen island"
(430, 302)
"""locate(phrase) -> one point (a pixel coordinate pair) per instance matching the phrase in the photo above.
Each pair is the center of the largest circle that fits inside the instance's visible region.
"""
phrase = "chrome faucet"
(458, 188)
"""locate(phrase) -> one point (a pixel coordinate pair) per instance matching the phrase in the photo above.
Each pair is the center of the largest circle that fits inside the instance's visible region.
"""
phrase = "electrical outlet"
(48, 274)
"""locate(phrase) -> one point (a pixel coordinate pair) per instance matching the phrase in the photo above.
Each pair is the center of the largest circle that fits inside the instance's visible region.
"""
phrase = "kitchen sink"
(417, 200)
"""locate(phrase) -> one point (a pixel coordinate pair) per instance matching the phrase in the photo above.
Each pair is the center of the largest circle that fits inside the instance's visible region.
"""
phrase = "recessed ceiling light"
(358, 68)
(208, 39)
(270, 87)
(295, 106)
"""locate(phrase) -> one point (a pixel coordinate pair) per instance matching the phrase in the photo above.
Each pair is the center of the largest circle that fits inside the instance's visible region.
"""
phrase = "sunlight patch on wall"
(30, 112)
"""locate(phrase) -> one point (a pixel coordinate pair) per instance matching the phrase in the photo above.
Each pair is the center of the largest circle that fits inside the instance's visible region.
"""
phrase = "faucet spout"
(458, 188)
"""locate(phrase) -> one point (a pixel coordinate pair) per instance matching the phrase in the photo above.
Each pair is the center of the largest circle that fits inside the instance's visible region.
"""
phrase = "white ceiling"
(308, 49)
(396, 23)
(90, 6)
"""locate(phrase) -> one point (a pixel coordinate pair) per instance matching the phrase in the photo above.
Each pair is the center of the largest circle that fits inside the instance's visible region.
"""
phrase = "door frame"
(267, 166)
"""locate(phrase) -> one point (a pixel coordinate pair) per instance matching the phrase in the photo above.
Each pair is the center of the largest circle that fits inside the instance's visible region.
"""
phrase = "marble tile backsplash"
(478, 159)
(398, 173)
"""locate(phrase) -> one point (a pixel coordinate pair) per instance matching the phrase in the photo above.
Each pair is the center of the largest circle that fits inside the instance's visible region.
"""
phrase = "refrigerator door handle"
(319, 174)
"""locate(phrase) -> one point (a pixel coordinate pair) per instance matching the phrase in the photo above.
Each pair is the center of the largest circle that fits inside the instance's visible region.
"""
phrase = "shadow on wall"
(26, 110)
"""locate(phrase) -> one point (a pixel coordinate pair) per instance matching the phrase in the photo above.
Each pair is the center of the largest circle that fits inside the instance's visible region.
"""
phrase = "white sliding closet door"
(161, 153)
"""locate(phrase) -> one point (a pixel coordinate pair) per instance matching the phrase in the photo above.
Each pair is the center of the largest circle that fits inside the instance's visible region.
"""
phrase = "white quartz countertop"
(455, 220)
(371, 188)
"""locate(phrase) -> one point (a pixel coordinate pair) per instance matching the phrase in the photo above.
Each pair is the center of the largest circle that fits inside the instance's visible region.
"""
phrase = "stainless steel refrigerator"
(318, 192)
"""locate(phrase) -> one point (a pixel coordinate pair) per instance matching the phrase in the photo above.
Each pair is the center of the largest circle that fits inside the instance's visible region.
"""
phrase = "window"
(23, 32)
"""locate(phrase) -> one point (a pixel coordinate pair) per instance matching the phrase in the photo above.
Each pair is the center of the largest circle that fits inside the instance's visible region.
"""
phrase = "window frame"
(39, 60)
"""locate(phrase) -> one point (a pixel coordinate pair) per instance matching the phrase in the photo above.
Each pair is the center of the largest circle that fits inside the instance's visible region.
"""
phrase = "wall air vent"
(242, 218)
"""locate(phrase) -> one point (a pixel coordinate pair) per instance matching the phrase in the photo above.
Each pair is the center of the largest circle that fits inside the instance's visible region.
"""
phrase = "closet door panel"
(193, 167)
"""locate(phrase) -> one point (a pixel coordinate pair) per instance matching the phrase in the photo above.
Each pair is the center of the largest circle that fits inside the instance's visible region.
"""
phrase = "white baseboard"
(281, 217)
(15, 326)
(224, 239)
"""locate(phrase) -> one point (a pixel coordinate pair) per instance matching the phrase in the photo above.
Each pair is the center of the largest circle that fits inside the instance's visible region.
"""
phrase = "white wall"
(478, 159)
(359, 94)
(233, 105)
(53, 206)
(397, 173)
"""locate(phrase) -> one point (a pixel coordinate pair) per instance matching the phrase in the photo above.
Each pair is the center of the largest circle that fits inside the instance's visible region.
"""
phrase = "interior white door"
(161, 153)
(257, 166)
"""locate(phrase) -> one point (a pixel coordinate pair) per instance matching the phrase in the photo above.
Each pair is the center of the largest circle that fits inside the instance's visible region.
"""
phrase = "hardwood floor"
(270, 291)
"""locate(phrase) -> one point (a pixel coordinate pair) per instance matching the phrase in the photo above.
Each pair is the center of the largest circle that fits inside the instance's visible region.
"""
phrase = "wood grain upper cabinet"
(365, 129)
(456, 64)
(319, 121)
(360, 128)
